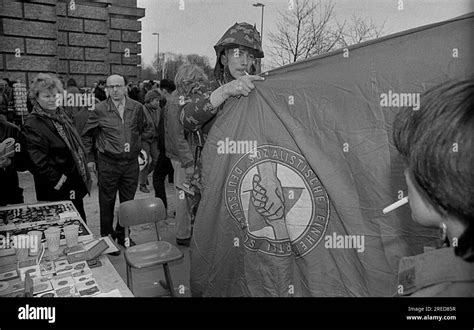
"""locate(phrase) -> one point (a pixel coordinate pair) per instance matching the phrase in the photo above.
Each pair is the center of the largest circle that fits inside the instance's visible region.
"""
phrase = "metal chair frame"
(127, 222)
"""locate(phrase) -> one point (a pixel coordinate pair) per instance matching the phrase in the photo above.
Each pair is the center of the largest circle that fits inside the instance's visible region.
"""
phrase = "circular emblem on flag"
(276, 197)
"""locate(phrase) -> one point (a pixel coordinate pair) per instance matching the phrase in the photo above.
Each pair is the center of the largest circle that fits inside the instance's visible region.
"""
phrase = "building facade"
(84, 40)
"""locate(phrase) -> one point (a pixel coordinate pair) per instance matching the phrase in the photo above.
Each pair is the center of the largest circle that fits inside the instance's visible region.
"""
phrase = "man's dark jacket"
(114, 138)
(99, 93)
(177, 147)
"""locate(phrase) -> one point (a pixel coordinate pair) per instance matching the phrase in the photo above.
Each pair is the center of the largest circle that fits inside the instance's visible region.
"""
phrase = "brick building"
(84, 40)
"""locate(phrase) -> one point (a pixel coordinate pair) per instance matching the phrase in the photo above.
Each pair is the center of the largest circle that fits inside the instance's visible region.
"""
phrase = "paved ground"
(145, 280)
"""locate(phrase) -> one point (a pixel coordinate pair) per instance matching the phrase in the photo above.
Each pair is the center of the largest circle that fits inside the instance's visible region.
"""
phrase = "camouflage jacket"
(197, 112)
(197, 115)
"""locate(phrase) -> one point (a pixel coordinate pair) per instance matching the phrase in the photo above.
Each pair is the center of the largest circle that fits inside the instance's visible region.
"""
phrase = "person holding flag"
(236, 52)
(234, 72)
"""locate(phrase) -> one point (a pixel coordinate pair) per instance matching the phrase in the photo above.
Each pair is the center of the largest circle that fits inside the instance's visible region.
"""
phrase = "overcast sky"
(198, 27)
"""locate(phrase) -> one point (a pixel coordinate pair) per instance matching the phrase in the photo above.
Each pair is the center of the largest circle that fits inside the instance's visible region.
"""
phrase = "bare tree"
(162, 64)
(148, 73)
(310, 28)
(304, 31)
(203, 62)
(359, 30)
(170, 63)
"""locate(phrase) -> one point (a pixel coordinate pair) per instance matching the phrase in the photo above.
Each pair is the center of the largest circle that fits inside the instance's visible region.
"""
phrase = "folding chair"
(136, 212)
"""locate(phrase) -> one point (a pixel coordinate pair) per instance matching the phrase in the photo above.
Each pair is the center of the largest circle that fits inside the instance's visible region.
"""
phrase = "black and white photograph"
(200, 162)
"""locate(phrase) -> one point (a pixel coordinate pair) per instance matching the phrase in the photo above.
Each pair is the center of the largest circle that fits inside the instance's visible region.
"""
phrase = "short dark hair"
(151, 95)
(71, 82)
(147, 86)
(167, 85)
(101, 82)
(438, 143)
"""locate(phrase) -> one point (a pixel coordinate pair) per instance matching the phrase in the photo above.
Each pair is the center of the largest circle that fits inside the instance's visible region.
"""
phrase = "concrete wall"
(87, 41)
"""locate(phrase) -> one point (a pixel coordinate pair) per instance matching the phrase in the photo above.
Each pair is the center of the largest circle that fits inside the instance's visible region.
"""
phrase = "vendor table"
(105, 275)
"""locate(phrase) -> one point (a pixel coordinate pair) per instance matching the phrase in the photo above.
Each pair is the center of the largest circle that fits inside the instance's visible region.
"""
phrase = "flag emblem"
(276, 198)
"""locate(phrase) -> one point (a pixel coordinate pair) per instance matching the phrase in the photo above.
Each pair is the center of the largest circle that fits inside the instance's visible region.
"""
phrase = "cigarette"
(395, 205)
(246, 73)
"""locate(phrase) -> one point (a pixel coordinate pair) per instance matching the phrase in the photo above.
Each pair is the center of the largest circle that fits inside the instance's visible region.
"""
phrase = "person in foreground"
(234, 77)
(54, 147)
(117, 126)
(438, 143)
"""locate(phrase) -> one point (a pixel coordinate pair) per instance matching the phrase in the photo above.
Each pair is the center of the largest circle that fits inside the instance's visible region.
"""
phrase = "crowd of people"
(63, 145)
(169, 122)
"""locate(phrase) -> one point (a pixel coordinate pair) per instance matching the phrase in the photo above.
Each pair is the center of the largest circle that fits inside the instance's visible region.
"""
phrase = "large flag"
(297, 174)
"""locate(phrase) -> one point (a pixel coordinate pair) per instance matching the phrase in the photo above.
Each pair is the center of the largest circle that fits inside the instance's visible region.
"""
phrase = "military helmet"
(240, 34)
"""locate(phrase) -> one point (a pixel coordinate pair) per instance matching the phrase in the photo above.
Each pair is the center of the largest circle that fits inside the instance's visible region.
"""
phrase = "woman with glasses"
(58, 159)
(117, 127)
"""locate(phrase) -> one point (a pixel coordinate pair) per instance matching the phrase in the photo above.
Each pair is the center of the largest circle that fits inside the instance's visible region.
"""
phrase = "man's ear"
(224, 59)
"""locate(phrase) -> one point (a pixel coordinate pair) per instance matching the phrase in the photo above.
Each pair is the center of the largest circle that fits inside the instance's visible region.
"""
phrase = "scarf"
(70, 136)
